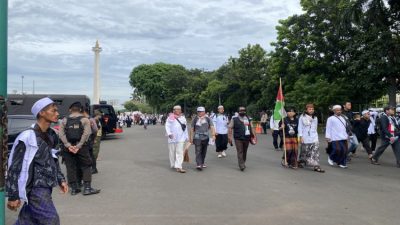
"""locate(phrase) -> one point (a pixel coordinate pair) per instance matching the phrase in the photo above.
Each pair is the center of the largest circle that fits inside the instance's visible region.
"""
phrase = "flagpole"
(283, 123)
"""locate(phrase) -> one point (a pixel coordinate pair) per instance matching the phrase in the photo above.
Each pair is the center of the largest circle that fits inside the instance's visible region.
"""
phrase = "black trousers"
(275, 135)
(201, 150)
(366, 145)
(221, 142)
(264, 127)
(373, 138)
(79, 161)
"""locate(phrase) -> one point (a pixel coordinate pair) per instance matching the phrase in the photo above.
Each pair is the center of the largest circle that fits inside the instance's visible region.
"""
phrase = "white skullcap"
(201, 109)
(220, 107)
(177, 107)
(336, 107)
(364, 112)
(40, 105)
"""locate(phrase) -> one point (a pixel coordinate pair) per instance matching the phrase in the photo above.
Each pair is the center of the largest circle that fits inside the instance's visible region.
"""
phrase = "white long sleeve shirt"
(274, 124)
(308, 129)
(371, 128)
(220, 123)
(172, 126)
(336, 128)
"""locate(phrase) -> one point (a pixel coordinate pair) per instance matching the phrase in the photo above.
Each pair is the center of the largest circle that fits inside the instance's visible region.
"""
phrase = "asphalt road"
(138, 187)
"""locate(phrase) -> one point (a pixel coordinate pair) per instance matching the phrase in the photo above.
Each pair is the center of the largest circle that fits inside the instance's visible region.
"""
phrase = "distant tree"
(131, 106)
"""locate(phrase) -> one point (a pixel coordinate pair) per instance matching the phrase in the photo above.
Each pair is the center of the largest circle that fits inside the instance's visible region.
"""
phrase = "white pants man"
(176, 154)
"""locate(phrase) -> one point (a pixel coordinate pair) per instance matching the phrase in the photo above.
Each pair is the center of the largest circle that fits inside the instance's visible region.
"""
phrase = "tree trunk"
(392, 90)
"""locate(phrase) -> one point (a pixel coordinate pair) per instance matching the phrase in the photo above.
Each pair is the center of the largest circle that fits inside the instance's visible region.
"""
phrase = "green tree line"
(336, 51)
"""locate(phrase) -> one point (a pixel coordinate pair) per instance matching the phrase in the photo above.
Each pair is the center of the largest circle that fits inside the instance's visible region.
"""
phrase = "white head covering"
(364, 112)
(201, 109)
(220, 107)
(177, 107)
(336, 107)
(40, 104)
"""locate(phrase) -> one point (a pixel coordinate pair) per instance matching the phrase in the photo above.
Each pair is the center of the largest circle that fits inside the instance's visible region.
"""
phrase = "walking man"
(176, 128)
(202, 126)
(221, 122)
(241, 129)
(33, 169)
(390, 133)
(74, 133)
(349, 116)
(337, 132)
(276, 132)
(361, 127)
(264, 121)
(308, 134)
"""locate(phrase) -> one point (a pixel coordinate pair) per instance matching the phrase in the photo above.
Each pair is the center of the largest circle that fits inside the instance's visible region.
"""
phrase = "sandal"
(318, 169)
(284, 164)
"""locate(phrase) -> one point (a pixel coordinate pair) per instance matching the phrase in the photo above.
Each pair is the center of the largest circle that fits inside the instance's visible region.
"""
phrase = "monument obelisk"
(96, 81)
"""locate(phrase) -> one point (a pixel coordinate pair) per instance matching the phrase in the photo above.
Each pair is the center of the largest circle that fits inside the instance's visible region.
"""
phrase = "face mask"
(242, 114)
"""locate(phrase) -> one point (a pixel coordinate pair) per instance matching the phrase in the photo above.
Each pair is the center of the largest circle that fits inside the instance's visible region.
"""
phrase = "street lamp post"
(22, 90)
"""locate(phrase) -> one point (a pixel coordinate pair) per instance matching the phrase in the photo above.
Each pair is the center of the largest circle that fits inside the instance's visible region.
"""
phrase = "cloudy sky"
(50, 41)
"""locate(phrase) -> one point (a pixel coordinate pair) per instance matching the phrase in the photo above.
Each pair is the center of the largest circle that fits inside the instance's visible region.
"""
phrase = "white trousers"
(176, 154)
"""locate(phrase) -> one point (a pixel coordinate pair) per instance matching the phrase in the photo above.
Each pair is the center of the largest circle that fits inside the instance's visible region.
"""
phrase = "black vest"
(239, 130)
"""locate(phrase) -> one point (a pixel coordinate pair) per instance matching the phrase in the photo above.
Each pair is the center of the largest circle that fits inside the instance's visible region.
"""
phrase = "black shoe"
(94, 171)
(88, 190)
(74, 189)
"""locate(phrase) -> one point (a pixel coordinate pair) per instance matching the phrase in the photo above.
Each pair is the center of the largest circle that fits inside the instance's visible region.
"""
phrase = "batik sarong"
(309, 154)
(40, 210)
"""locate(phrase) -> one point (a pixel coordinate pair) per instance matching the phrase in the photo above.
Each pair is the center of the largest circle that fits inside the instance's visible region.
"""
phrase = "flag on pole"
(279, 111)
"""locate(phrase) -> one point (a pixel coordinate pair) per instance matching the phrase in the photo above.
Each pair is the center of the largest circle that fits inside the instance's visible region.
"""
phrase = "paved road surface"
(139, 188)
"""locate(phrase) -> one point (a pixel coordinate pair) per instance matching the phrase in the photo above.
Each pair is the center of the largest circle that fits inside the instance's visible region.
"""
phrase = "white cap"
(364, 112)
(201, 109)
(40, 105)
(220, 107)
(336, 107)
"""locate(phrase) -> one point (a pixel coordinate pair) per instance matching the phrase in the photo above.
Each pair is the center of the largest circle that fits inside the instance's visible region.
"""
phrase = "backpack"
(74, 129)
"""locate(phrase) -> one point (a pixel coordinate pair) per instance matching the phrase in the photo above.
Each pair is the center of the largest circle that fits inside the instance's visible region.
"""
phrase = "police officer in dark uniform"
(74, 133)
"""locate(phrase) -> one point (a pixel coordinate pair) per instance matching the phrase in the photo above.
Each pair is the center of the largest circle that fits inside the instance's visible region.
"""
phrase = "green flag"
(279, 111)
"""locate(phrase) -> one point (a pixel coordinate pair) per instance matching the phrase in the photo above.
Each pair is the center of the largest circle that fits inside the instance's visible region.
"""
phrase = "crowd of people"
(296, 135)
(34, 168)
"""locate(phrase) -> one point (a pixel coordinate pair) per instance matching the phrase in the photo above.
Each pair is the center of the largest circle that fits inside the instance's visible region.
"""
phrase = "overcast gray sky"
(50, 41)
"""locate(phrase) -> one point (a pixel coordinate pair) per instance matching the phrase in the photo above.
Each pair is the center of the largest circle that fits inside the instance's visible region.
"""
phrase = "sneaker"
(343, 166)
(223, 153)
(219, 156)
(199, 168)
(330, 162)
(204, 166)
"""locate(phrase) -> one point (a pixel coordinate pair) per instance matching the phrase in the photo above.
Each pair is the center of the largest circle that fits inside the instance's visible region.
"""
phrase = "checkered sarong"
(40, 210)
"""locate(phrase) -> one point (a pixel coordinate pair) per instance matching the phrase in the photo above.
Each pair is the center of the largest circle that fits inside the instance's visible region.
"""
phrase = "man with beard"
(337, 132)
(308, 134)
